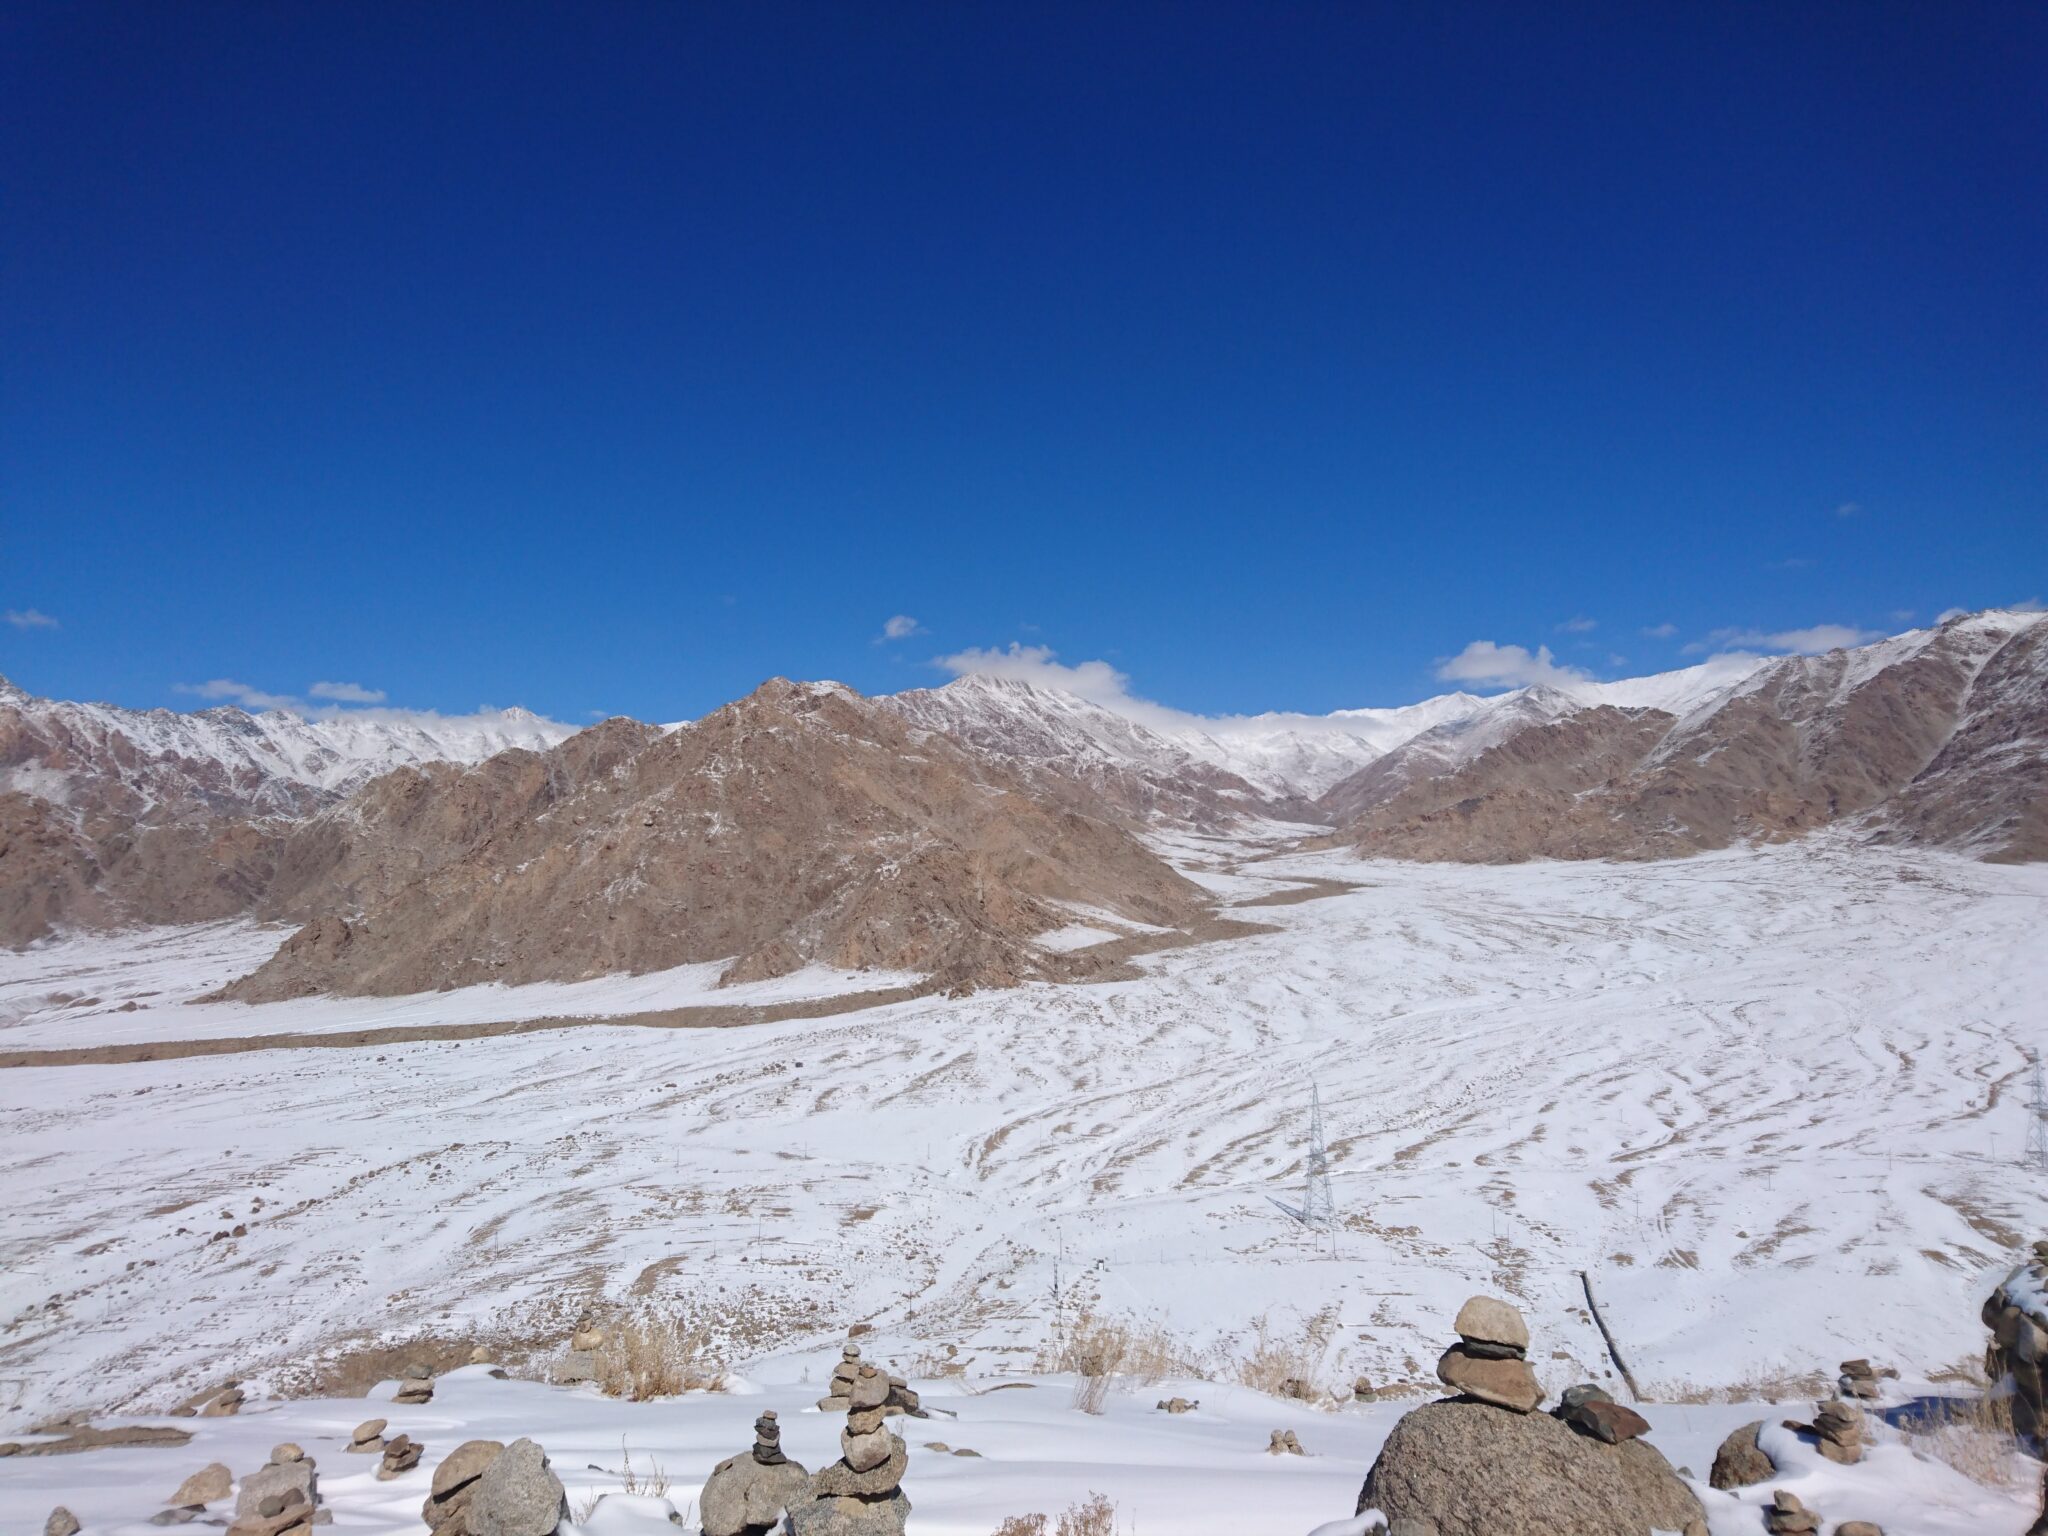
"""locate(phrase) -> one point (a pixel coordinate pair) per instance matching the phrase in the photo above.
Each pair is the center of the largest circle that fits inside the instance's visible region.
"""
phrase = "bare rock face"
(1472, 1470)
(803, 824)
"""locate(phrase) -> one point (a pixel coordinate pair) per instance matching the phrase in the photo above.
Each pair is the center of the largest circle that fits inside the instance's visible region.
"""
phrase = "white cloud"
(1512, 666)
(29, 618)
(2024, 605)
(901, 627)
(1096, 681)
(227, 688)
(1661, 631)
(1581, 625)
(347, 693)
(1799, 642)
(1849, 509)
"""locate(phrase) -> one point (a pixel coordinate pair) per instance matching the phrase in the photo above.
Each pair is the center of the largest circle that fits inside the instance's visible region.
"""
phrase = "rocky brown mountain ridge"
(802, 824)
(1939, 736)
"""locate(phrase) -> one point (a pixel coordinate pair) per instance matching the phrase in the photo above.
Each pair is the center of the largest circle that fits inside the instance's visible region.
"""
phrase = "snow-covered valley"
(1771, 1102)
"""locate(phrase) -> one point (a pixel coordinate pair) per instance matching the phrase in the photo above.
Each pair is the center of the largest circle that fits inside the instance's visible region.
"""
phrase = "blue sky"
(613, 358)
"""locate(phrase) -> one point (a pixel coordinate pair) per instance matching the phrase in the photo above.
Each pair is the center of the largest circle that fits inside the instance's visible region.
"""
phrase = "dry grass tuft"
(1282, 1367)
(1021, 1525)
(1762, 1387)
(1097, 1517)
(657, 1355)
(1098, 1350)
(1972, 1435)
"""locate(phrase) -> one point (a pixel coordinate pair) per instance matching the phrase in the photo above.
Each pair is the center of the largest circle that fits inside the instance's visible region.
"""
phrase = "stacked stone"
(401, 1454)
(1859, 1379)
(860, 1494)
(1284, 1443)
(839, 1395)
(1839, 1429)
(1589, 1410)
(416, 1386)
(279, 1497)
(368, 1438)
(902, 1399)
(746, 1495)
(446, 1509)
(1787, 1516)
(1490, 1360)
(2017, 1315)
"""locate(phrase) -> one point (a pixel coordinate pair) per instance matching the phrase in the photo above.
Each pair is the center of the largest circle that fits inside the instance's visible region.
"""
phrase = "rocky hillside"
(803, 824)
(118, 815)
(1937, 736)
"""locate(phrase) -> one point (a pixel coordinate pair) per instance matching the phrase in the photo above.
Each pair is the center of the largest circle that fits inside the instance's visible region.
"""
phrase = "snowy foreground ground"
(1772, 1103)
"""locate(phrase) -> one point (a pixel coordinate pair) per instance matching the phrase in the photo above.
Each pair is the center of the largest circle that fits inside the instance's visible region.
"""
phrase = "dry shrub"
(1782, 1386)
(1098, 1350)
(1273, 1362)
(1973, 1435)
(656, 1355)
(1021, 1525)
(1097, 1517)
(653, 1482)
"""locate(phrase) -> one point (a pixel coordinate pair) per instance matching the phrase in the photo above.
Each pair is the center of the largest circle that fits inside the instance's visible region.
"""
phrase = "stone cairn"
(1837, 1429)
(279, 1497)
(446, 1509)
(2017, 1315)
(1787, 1516)
(1859, 1380)
(1490, 1361)
(416, 1386)
(860, 1494)
(839, 1392)
(368, 1437)
(401, 1454)
(747, 1494)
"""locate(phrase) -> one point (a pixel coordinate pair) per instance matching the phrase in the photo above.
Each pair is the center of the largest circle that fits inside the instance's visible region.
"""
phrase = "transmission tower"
(1318, 1204)
(2037, 1124)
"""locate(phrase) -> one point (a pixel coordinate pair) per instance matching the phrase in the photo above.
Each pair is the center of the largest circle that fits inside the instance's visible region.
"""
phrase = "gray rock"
(277, 1478)
(287, 1452)
(210, 1482)
(1584, 1392)
(1740, 1462)
(743, 1495)
(464, 1464)
(865, 1452)
(870, 1388)
(846, 1515)
(1474, 1471)
(1492, 1321)
(839, 1479)
(518, 1495)
(181, 1516)
(61, 1523)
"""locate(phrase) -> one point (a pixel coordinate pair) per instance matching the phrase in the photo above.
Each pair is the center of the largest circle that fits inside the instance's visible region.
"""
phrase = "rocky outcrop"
(801, 825)
(2016, 1361)
(746, 1495)
(1490, 1466)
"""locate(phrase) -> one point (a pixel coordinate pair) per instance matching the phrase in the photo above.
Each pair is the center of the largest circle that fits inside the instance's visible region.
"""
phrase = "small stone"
(1608, 1422)
(965, 1451)
(863, 1453)
(463, 1465)
(864, 1420)
(1858, 1528)
(1741, 1462)
(1584, 1392)
(61, 1523)
(1490, 1320)
(1283, 1443)
(204, 1486)
(479, 1356)
(286, 1452)
(1177, 1405)
(870, 1388)
(1361, 1388)
(369, 1429)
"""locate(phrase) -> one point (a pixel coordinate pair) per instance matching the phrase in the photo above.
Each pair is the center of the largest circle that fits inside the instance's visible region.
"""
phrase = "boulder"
(61, 1523)
(464, 1465)
(1509, 1384)
(518, 1495)
(1741, 1462)
(745, 1496)
(210, 1482)
(280, 1477)
(1489, 1320)
(368, 1436)
(1608, 1422)
(1475, 1471)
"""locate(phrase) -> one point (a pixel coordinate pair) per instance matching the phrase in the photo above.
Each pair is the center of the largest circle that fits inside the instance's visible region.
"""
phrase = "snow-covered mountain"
(230, 761)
